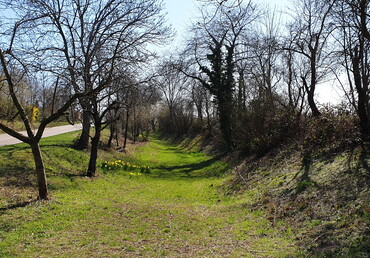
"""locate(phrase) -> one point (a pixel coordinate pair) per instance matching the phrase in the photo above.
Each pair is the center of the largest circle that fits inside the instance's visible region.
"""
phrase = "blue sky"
(181, 12)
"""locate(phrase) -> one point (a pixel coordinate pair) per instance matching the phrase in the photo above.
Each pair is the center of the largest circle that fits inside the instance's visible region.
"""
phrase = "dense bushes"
(261, 128)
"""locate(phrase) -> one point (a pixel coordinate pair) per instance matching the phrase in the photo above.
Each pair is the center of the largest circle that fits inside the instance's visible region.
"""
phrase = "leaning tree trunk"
(83, 141)
(311, 102)
(311, 95)
(91, 171)
(40, 171)
(112, 131)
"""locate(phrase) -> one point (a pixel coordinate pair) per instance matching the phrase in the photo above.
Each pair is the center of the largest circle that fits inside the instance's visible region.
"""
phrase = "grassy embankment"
(179, 209)
(322, 193)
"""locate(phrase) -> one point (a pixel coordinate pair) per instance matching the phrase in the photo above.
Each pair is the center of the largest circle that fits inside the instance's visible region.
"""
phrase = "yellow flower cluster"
(119, 164)
(135, 174)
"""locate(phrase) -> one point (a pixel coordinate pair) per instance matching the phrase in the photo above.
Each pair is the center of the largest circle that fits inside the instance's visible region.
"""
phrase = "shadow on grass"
(358, 164)
(329, 246)
(203, 169)
(18, 176)
(349, 177)
(12, 148)
(71, 176)
(65, 145)
(302, 177)
(364, 162)
(15, 206)
(17, 167)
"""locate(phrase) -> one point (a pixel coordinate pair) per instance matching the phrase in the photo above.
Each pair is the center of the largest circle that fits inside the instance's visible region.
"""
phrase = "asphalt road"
(6, 139)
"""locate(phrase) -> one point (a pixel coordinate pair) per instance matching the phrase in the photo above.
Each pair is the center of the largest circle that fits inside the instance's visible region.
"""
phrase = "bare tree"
(173, 85)
(264, 48)
(353, 37)
(360, 10)
(294, 88)
(310, 32)
(203, 104)
(214, 49)
(83, 40)
(31, 138)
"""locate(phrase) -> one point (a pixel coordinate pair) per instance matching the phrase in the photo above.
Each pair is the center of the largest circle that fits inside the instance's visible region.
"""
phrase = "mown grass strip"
(176, 210)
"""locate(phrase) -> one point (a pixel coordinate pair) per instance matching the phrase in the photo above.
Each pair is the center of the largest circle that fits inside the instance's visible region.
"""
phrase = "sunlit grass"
(178, 209)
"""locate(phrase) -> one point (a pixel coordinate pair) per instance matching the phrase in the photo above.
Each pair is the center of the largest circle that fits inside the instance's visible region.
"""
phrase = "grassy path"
(177, 210)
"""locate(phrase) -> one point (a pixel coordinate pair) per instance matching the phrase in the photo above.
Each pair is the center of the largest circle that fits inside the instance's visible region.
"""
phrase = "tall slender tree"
(353, 20)
(214, 49)
(311, 30)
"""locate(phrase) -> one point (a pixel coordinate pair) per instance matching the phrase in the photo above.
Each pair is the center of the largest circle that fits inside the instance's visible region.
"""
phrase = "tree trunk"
(175, 121)
(312, 104)
(241, 91)
(40, 171)
(111, 135)
(361, 92)
(199, 107)
(209, 125)
(91, 171)
(138, 129)
(311, 96)
(362, 114)
(116, 136)
(225, 111)
(152, 123)
(83, 141)
(126, 129)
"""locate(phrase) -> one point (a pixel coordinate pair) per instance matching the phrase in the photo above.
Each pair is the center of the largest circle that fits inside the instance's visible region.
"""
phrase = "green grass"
(326, 202)
(19, 126)
(179, 209)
